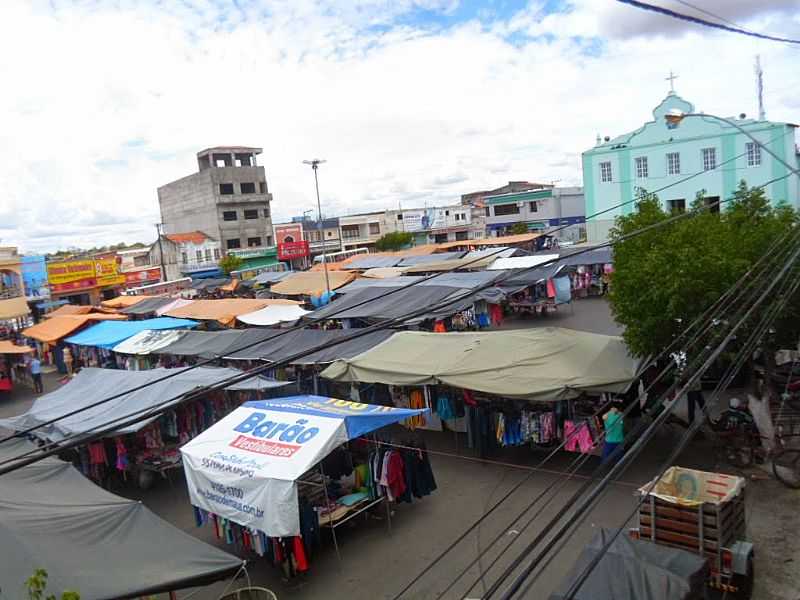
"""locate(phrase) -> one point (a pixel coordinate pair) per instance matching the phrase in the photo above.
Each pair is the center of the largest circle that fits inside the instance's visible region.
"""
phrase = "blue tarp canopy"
(359, 418)
(108, 334)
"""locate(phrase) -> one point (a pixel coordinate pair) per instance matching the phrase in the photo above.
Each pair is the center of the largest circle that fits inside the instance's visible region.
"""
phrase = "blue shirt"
(36, 367)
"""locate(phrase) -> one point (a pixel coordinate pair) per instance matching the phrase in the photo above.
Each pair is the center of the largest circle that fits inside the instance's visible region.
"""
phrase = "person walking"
(36, 374)
(614, 426)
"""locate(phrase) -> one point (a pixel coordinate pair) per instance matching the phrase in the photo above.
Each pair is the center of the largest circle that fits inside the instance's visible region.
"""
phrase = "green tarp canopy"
(547, 363)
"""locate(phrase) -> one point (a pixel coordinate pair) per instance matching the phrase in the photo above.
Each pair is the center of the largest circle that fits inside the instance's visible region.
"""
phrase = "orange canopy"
(9, 347)
(224, 310)
(53, 329)
(70, 309)
(123, 301)
(308, 283)
(13, 308)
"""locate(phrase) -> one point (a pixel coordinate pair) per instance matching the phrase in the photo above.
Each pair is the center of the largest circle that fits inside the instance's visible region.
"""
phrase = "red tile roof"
(195, 237)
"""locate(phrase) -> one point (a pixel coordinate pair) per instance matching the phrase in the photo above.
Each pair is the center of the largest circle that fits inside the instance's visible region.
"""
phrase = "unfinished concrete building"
(227, 199)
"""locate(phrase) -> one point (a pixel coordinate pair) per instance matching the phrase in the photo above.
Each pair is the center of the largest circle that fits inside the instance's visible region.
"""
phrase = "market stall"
(12, 364)
(271, 474)
(507, 388)
(98, 544)
(151, 443)
(223, 311)
(274, 315)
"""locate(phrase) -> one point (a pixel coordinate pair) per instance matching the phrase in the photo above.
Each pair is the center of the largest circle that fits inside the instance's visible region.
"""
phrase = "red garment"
(396, 475)
(97, 454)
(439, 327)
(496, 314)
(469, 399)
(300, 554)
(551, 289)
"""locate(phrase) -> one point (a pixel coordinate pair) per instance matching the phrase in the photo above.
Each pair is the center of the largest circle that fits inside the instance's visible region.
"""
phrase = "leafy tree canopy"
(396, 240)
(37, 588)
(667, 277)
(518, 228)
(230, 262)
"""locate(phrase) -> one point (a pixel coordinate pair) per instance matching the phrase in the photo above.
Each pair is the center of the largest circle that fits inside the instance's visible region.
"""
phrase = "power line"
(638, 445)
(751, 283)
(698, 21)
(791, 286)
(711, 14)
(477, 523)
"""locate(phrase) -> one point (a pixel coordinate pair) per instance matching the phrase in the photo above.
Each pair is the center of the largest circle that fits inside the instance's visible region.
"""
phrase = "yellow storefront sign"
(94, 272)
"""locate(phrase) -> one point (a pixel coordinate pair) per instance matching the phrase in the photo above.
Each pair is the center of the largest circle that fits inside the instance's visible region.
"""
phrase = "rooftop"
(229, 149)
(194, 237)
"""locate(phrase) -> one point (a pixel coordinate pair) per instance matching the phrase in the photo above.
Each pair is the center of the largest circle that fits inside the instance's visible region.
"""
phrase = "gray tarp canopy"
(147, 306)
(284, 346)
(369, 303)
(460, 280)
(269, 277)
(547, 363)
(411, 261)
(372, 262)
(210, 283)
(91, 385)
(635, 570)
(91, 541)
(205, 344)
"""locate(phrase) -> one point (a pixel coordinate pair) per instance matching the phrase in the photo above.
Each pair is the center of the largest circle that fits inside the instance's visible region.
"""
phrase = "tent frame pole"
(328, 503)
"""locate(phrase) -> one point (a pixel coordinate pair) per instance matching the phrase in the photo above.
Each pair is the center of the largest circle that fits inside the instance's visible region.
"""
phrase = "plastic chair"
(250, 593)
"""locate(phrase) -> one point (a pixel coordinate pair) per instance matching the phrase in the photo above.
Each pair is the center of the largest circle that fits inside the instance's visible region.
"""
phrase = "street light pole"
(675, 116)
(315, 163)
(161, 252)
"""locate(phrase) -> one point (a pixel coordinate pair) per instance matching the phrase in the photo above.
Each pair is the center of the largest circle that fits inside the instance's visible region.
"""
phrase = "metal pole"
(314, 166)
(161, 252)
(330, 520)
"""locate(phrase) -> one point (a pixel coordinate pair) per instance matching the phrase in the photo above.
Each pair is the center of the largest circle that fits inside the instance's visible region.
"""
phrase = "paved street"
(377, 564)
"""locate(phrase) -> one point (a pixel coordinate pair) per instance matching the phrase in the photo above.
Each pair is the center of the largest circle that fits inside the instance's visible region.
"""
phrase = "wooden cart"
(703, 513)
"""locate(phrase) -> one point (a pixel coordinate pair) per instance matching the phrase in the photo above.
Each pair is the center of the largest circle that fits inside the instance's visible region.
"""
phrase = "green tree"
(518, 228)
(37, 588)
(230, 262)
(396, 240)
(665, 278)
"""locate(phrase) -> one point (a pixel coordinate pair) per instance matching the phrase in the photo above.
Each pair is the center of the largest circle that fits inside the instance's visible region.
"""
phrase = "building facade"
(550, 210)
(697, 155)
(440, 224)
(227, 199)
(512, 187)
(86, 280)
(191, 254)
(136, 267)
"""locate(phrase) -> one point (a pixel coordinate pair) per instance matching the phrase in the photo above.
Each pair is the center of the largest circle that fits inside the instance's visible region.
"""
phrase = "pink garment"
(580, 439)
(551, 289)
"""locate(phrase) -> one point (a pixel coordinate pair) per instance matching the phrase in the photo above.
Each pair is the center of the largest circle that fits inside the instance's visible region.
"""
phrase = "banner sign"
(81, 274)
(244, 467)
(424, 219)
(140, 277)
(290, 250)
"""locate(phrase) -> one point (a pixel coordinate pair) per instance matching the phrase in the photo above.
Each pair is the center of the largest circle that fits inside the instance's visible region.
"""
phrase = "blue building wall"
(655, 139)
(34, 276)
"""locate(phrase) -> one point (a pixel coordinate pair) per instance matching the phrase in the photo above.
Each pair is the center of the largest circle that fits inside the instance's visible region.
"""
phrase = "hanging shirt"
(614, 427)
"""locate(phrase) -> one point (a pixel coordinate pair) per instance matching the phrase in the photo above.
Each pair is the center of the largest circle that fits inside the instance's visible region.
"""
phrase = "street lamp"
(675, 116)
(315, 163)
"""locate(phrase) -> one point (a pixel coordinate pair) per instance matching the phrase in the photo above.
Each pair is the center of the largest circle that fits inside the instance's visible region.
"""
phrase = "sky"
(411, 102)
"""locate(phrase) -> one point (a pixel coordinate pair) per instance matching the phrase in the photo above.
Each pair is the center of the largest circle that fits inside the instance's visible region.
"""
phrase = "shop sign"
(82, 274)
(291, 250)
(424, 220)
(139, 277)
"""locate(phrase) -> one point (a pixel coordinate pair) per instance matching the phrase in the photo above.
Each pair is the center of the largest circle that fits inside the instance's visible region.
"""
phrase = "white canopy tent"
(272, 315)
(245, 467)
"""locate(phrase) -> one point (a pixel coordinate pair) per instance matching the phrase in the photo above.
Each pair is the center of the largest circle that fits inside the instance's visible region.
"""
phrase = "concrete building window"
(288, 239)
(673, 163)
(753, 154)
(641, 167)
(534, 206)
(462, 235)
(233, 244)
(247, 188)
(216, 253)
(400, 217)
(251, 214)
(262, 187)
(184, 257)
(709, 159)
(208, 254)
(350, 232)
(269, 240)
(226, 189)
(440, 238)
(374, 228)
(488, 211)
(198, 254)
(266, 213)
(605, 172)
(244, 160)
(229, 215)
(677, 206)
(253, 241)
(506, 209)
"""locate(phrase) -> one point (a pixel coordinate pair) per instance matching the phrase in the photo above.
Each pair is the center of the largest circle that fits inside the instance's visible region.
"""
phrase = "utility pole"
(762, 114)
(315, 163)
(161, 252)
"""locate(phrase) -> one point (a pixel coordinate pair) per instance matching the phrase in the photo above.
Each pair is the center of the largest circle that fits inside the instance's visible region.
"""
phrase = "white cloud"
(102, 105)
